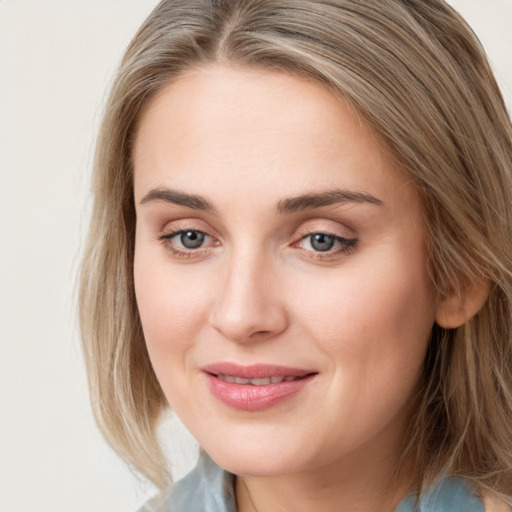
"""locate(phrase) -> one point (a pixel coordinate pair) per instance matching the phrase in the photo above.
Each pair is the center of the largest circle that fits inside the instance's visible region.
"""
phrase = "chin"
(257, 459)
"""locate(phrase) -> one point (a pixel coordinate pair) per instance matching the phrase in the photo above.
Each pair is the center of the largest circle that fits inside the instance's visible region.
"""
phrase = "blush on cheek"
(167, 321)
(171, 307)
(377, 317)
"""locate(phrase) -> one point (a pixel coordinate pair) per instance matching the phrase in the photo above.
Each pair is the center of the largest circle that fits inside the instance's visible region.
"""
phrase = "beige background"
(56, 60)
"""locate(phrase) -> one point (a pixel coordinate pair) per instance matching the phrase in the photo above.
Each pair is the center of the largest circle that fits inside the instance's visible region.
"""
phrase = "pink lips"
(270, 384)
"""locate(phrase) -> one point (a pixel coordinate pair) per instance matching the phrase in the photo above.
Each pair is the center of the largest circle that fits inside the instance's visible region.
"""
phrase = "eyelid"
(346, 240)
(325, 226)
(187, 223)
(178, 251)
(171, 229)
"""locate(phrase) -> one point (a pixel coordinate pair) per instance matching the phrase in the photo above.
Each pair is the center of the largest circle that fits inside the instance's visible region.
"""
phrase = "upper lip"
(255, 371)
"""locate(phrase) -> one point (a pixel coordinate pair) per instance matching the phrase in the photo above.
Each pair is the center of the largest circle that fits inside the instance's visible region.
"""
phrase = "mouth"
(275, 379)
(256, 387)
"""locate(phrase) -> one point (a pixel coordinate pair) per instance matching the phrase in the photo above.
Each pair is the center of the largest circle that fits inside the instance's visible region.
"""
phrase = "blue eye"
(191, 239)
(322, 242)
(326, 243)
(186, 242)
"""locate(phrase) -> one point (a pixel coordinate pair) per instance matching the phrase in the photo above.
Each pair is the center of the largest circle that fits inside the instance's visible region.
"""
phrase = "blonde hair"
(418, 76)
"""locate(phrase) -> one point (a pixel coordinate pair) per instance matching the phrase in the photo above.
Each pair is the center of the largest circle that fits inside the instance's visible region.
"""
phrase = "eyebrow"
(330, 197)
(166, 195)
(289, 205)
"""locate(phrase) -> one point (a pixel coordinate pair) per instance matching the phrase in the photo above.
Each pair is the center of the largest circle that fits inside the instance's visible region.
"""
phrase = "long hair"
(418, 76)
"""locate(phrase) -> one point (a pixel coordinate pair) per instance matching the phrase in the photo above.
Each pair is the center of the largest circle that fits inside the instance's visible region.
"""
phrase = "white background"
(57, 58)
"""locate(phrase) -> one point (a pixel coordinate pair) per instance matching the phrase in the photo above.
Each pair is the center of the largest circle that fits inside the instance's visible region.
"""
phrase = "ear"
(455, 310)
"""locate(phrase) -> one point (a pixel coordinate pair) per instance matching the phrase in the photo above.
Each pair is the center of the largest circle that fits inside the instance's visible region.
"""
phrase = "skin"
(257, 291)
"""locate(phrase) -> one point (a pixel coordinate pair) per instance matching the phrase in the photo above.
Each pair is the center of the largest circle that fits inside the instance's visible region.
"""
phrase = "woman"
(301, 243)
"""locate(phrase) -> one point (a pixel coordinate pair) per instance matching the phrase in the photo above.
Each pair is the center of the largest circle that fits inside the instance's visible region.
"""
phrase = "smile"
(256, 382)
(256, 387)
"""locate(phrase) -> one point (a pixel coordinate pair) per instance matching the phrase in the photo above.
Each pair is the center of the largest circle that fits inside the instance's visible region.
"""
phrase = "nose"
(249, 305)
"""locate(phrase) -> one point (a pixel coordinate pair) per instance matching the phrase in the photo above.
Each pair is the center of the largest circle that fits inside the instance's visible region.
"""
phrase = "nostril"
(258, 333)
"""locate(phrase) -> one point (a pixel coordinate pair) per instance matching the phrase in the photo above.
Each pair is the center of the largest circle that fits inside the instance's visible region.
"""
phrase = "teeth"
(227, 378)
(255, 382)
(260, 382)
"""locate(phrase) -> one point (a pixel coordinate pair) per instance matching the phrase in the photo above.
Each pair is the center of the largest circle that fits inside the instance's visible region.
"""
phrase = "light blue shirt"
(208, 488)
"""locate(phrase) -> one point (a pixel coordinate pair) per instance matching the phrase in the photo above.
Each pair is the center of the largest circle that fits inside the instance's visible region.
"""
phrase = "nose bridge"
(246, 304)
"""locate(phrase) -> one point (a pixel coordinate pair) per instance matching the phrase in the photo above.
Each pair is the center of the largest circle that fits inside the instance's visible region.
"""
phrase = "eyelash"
(346, 245)
(167, 238)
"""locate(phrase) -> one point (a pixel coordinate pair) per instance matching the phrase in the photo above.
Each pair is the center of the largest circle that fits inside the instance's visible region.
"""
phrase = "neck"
(357, 484)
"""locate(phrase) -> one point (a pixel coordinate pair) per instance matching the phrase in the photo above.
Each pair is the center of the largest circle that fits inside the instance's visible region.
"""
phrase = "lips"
(255, 387)
(256, 382)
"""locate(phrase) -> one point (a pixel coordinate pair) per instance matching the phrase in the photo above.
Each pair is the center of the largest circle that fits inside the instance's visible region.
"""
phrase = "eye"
(187, 242)
(326, 243)
(191, 239)
(322, 242)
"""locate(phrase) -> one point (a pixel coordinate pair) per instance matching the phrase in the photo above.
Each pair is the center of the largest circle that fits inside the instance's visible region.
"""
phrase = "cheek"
(171, 307)
(375, 334)
(380, 314)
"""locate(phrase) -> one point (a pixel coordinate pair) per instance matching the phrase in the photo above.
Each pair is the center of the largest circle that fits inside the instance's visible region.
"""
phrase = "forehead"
(260, 133)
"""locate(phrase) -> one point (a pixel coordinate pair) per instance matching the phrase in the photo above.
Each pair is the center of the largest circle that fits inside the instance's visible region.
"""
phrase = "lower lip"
(246, 397)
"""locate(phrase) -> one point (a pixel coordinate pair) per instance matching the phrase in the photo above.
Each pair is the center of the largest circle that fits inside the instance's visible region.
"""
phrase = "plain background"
(57, 59)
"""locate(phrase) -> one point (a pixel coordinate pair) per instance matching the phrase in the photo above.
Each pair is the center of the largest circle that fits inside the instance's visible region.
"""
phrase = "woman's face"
(280, 272)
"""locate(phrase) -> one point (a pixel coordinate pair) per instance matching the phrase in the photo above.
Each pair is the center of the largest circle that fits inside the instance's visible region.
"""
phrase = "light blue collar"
(208, 488)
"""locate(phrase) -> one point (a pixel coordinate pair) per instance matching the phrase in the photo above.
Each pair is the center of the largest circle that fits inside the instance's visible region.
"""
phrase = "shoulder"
(454, 493)
(207, 488)
(448, 494)
(451, 494)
